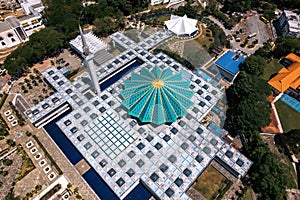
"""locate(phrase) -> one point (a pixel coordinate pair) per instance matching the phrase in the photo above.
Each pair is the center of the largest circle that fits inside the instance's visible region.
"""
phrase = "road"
(226, 31)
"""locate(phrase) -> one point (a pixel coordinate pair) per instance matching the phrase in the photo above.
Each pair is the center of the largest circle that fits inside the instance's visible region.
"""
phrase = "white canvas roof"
(94, 43)
(181, 25)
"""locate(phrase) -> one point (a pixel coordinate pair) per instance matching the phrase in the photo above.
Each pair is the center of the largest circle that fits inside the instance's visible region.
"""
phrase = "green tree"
(3, 173)
(11, 143)
(46, 41)
(269, 175)
(285, 46)
(292, 138)
(7, 162)
(250, 114)
(254, 65)
(106, 25)
(247, 87)
(38, 187)
(11, 195)
(249, 109)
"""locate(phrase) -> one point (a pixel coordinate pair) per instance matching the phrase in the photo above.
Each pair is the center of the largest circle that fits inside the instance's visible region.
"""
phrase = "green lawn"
(206, 38)
(209, 182)
(247, 195)
(272, 68)
(289, 117)
(195, 53)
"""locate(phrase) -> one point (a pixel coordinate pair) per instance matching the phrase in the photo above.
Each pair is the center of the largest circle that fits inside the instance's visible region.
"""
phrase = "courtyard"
(210, 183)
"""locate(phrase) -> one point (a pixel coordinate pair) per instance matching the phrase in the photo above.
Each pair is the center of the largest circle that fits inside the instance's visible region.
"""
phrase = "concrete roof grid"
(186, 147)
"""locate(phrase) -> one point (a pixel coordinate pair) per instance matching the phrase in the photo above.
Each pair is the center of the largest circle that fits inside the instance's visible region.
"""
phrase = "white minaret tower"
(89, 63)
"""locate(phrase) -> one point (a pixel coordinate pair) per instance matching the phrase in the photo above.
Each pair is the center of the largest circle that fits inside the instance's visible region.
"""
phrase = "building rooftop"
(157, 96)
(167, 158)
(287, 77)
(293, 20)
(93, 42)
(12, 21)
(4, 26)
(181, 25)
(230, 62)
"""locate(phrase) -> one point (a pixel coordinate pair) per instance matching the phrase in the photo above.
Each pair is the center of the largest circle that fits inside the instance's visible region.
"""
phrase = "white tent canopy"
(181, 25)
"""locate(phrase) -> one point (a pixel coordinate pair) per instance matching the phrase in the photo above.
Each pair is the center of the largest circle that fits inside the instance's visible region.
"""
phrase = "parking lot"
(68, 59)
(250, 25)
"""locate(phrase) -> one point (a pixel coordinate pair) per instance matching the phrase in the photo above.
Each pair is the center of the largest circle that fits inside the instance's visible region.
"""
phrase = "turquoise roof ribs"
(157, 96)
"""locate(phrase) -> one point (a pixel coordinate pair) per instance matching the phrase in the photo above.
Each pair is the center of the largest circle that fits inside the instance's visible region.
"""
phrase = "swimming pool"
(292, 102)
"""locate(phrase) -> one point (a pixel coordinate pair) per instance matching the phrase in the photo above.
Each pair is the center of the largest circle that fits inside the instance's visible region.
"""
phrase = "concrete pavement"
(254, 25)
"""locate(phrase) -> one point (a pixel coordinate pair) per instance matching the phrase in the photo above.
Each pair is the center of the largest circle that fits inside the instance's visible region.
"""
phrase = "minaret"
(89, 63)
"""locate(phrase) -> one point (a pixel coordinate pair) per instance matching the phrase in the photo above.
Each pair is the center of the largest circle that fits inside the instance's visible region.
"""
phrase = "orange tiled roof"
(293, 57)
(287, 77)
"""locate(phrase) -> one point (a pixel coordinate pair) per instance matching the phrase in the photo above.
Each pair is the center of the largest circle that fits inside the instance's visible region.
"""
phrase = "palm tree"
(11, 195)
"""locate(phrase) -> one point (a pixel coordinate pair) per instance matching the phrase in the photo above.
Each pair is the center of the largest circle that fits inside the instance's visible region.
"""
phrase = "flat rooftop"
(167, 158)
(230, 62)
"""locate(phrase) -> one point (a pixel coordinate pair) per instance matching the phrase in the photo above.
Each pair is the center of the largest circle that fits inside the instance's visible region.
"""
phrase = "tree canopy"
(285, 46)
(267, 7)
(269, 176)
(62, 18)
(254, 65)
(247, 86)
(46, 41)
(248, 111)
(292, 138)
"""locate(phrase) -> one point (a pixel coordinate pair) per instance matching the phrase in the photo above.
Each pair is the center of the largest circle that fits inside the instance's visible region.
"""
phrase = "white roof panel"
(181, 25)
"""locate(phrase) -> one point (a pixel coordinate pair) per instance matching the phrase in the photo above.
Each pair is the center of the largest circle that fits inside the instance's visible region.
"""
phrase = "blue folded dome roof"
(157, 96)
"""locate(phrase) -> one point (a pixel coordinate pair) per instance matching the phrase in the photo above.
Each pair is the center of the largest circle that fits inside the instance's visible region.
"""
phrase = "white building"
(182, 26)
(32, 24)
(289, 23)
(93, 42)
(14, 31)
(11, 33)
(31, 6)
(155, 2)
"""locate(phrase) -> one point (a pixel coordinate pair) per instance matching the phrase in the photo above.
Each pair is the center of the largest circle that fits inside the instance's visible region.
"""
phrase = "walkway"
(194, 194)
(226, 31)
(68, 169)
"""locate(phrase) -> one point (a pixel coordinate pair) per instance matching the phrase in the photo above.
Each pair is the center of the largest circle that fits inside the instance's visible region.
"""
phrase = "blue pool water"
(204, 75)
(215, 129)
(216, 110)
(98, 185)
(120, 74)
(62, 141)
(139, 192)
(292, 102)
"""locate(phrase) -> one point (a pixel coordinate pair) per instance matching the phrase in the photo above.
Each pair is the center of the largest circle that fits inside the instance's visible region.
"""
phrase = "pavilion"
(182, 26)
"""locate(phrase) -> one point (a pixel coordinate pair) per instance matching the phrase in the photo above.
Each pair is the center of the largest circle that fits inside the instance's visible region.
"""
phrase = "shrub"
(10, 142)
